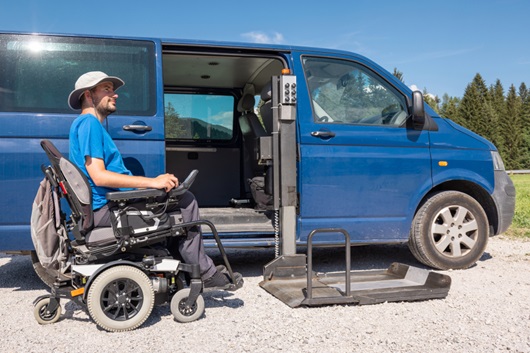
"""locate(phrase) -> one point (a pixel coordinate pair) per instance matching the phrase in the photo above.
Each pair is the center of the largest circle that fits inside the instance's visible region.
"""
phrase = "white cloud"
(263, 38)
(223, 119)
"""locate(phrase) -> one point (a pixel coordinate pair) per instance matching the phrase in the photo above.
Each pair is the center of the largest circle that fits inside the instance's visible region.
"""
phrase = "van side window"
(345, 92)
(198, 116)
(38, 72)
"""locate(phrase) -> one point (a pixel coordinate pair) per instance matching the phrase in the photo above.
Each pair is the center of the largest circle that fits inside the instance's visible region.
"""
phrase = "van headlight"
(498, 164)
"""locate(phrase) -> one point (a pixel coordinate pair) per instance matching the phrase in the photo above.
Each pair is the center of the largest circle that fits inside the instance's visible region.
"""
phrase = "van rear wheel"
(449, 231)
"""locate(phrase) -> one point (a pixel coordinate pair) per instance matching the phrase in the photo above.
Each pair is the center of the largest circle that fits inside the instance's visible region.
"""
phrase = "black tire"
(121, 298)
(449, 231)
(43, 318)
(179, 310)
(41, 272)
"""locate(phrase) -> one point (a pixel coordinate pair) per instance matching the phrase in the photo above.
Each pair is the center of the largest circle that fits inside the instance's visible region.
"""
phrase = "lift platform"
(291, 279)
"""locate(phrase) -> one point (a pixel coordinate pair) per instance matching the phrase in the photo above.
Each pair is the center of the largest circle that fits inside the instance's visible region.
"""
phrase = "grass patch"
(521, 220)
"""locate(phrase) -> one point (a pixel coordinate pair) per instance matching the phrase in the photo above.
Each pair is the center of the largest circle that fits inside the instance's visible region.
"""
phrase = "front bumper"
(504, 198)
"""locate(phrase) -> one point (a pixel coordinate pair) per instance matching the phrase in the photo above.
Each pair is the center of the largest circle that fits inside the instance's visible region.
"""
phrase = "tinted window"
(198, 116)
(37, 73)
(345, 92)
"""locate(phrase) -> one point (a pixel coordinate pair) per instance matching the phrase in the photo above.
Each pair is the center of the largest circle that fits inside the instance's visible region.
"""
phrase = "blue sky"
(438, 45)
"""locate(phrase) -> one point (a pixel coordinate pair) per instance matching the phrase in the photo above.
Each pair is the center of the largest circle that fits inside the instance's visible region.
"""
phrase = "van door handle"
(137, 128)
(323, 134)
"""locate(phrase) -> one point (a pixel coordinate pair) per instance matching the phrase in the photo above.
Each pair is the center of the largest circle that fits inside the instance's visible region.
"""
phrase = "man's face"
(104, 98)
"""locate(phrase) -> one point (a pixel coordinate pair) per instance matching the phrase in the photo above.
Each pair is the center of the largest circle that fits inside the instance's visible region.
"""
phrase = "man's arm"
(103, 177)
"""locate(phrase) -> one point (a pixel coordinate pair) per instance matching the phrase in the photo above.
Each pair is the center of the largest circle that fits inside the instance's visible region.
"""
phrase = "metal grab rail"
(310, 259)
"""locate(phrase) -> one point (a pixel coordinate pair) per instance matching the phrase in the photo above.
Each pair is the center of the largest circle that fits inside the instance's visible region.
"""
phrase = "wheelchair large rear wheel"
(180, 312)
(120, 298)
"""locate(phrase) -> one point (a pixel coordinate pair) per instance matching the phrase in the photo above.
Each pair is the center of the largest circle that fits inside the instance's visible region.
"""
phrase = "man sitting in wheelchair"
(95, 153)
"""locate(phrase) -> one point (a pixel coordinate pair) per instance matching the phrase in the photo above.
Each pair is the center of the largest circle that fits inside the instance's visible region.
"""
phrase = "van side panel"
(20, 163)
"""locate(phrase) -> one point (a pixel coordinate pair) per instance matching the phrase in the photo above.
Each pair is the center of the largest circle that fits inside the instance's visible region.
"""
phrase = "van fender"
(470, 183)
(452, 175)
(458, 174)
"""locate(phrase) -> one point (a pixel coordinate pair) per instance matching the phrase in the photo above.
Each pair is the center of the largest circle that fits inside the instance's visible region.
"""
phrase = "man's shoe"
(221, 268)
(218, 280)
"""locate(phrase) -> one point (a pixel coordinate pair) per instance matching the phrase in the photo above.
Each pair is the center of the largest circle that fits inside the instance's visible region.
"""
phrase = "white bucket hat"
(87, 81)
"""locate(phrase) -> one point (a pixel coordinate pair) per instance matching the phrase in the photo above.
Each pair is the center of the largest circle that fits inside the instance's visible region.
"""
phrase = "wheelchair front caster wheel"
(181, 312)
(42, 315)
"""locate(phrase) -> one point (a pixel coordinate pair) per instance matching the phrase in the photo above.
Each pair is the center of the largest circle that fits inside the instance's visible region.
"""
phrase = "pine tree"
(477, 110)
(473, 104)
(398, 74)
(173, 125)
(450, 108)
(498, 103)
(513, 144)
(524, 96)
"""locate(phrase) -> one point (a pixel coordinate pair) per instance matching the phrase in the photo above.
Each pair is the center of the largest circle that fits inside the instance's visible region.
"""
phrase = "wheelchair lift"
(291, 279)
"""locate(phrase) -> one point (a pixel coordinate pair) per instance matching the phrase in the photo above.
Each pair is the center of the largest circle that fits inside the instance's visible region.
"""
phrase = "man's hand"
(165, 181)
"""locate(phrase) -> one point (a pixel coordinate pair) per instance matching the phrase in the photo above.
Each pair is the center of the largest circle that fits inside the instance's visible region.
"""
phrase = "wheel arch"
(473, 190)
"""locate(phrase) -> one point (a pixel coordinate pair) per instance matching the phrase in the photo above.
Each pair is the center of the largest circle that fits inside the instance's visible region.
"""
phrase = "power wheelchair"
(119, 273)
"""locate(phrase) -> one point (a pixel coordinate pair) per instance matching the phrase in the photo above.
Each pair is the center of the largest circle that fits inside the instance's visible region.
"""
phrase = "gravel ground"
(487, 310)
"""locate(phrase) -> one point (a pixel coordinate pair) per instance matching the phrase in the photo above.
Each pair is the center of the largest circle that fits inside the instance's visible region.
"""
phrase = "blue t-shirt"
(89, 138)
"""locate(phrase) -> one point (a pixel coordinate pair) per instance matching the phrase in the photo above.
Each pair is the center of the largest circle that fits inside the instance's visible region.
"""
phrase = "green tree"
(399, 75)
(450, 108)
(524, 96)
(173, 125)
(512, 130)
(473, 104)
(498, 103)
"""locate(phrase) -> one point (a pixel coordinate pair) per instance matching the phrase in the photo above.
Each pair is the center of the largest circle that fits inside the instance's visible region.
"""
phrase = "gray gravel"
(487, 310)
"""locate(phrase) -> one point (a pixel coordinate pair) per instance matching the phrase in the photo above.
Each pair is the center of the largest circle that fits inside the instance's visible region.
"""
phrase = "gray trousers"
(191, 247)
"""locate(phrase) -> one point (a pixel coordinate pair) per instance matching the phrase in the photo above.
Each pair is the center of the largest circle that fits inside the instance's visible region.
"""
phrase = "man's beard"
(104, 109)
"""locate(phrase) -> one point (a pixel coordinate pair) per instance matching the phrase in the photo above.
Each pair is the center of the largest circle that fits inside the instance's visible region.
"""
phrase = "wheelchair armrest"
(134, 194)
(184, 186)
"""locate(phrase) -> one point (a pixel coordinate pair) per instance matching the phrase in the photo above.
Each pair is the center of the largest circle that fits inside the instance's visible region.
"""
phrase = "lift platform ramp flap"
(286, 278)
(291, 279)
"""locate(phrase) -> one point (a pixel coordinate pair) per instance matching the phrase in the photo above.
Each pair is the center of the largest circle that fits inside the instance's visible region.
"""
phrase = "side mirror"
(418, 110)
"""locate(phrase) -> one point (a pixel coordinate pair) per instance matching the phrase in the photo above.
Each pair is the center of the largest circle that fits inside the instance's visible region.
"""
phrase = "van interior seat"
(266, 107)
(249, 121)
(252, 129)
(267, 117)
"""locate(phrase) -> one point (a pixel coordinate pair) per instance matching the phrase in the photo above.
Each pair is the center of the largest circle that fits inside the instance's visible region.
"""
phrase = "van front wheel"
(450, 231)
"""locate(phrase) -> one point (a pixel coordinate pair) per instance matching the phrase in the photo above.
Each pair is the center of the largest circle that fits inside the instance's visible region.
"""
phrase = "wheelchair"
(117, 274)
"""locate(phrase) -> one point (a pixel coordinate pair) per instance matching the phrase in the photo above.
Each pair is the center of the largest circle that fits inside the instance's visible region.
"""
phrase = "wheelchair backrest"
(74, 186)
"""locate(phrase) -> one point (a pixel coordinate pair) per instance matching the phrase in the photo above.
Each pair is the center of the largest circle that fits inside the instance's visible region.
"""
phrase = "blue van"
(287, 140)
